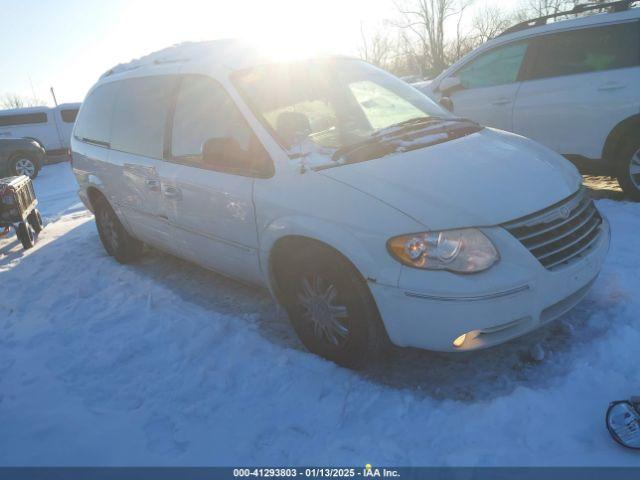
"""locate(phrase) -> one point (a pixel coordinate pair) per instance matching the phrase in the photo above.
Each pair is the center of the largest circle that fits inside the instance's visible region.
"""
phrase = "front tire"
(628, 167)
(332, 310)
(25, 164)
(115, 239)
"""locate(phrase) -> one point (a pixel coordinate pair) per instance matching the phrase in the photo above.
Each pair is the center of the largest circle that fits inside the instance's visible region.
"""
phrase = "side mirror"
(450, 84)
(224, 151)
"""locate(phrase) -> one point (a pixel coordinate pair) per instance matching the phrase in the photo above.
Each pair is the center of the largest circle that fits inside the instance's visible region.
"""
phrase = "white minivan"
(49, 127)
(370, 213)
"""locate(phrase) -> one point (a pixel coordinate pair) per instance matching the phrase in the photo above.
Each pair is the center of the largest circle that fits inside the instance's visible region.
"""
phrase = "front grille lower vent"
(560, 233)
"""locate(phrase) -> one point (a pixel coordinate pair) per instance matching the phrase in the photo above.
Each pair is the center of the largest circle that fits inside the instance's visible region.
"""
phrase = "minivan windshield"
(334, 103)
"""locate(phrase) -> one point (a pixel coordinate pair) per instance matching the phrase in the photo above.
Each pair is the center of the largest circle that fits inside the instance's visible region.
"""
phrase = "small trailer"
(18, 209)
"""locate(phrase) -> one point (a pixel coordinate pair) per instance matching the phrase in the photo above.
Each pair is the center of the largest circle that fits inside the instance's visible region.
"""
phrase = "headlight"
(466, 250)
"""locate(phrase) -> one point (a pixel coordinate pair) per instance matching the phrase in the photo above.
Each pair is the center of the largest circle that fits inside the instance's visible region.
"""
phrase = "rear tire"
(628, 167)
(26, 235)
(115, 239)
(35, 220)
(25, 164)
(331, 308)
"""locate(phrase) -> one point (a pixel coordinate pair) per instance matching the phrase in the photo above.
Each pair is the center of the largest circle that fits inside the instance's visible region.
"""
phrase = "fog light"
(458, 342)
(623, 422)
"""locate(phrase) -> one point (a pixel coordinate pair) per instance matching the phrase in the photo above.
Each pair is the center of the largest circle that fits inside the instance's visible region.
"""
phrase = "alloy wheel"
(319, 302)
(25, 166)
(634, 169)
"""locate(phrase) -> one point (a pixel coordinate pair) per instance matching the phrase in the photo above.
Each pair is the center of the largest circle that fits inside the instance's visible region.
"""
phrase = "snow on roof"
(234, 54)
(228, 52)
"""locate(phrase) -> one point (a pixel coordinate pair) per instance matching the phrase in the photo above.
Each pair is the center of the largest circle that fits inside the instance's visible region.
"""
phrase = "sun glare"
(285, 28)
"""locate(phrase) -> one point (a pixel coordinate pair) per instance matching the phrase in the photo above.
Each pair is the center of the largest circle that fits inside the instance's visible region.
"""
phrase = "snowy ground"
(163, 363)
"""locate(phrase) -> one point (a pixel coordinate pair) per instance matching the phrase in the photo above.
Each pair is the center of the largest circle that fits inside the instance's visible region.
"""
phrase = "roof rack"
(617, 6)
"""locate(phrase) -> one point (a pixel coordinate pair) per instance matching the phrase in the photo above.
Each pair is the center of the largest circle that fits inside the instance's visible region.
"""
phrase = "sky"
(68, 44)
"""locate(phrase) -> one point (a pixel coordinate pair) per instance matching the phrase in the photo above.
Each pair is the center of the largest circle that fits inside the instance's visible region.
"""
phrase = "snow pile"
(162, 363)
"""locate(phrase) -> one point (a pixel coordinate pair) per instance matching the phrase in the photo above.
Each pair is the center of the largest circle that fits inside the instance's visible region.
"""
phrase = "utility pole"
(53, 94)
(55, 101)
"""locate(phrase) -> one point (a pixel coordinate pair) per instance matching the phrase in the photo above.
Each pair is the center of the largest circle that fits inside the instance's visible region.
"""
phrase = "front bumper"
(430, 309)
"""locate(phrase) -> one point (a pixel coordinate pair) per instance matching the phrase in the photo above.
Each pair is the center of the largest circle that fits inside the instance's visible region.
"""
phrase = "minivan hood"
(486, 178)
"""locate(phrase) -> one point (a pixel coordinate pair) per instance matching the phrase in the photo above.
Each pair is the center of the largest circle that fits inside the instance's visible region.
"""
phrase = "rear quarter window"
(93, 124)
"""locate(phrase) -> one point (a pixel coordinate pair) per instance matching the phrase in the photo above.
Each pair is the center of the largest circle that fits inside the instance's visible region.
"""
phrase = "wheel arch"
(93, 194)
(281, 252)
(37, 141)
(618, 134)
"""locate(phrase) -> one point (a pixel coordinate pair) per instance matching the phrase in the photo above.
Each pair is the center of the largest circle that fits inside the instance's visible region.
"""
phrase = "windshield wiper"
(410, 124)
(346, 150)
(395, 132)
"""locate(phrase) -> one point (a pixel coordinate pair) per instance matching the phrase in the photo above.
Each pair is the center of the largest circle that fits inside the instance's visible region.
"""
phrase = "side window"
(140, 115)
(69, 115)
(23, 119)
(587, 50)
(205, 111)
(94, 120)
(497, 67)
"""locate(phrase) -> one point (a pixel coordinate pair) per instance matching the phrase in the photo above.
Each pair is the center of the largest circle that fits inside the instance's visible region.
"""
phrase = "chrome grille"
(560, 233)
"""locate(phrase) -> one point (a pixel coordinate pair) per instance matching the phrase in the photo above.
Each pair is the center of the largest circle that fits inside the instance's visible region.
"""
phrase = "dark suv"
(20, 156)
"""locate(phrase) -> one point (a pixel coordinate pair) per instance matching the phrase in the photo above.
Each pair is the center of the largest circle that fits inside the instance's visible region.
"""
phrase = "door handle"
(501, 101)
(153, 185)
(172, 193)
(611, 86)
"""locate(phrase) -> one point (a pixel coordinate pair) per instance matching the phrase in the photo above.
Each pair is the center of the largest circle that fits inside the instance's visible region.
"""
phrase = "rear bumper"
(514, 297)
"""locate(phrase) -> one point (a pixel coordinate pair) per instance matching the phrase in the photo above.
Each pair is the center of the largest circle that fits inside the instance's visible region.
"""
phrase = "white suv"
(369, 212)
(572, 85)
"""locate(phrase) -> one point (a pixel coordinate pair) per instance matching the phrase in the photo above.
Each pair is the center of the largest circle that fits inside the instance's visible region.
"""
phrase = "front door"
(488, 86)
(211, 206)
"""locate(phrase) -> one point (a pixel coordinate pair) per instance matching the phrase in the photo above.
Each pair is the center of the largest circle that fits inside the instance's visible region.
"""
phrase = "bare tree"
(540, 8)
(12, 100)
(490, 22)
(432, 34)
(463, 42)
(426, 19)
(377, 49)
